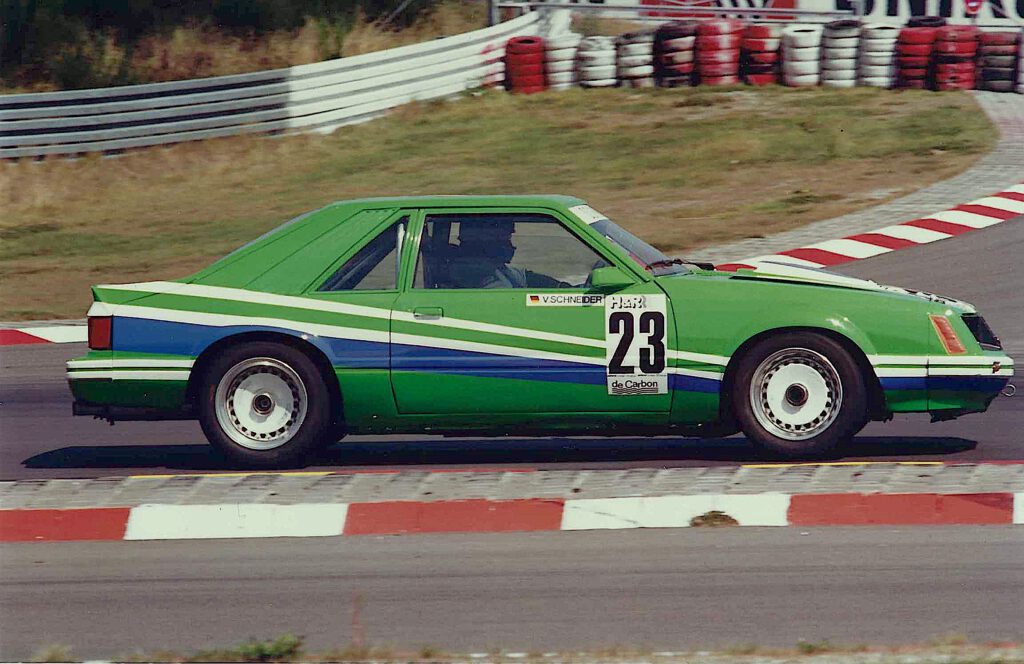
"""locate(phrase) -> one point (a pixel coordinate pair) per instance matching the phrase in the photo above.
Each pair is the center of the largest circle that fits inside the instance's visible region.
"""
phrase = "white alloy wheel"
(796, 394)
(261, 403)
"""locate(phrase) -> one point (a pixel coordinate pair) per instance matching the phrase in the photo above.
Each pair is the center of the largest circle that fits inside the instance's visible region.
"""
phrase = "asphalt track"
(40, 438)
(662, 589)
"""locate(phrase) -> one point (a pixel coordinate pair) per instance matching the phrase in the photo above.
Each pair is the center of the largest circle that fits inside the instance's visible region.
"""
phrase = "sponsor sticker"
(563, 300)
(587, 214)
(635, 338)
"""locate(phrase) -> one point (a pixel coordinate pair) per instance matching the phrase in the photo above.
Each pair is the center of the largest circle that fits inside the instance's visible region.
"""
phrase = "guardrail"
(318, 96)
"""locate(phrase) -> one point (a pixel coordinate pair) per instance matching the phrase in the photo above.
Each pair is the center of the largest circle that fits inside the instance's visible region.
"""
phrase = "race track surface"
(42, 440)
(662, 589)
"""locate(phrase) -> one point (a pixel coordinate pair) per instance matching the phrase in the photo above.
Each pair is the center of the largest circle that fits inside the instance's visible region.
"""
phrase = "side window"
(375, 266)
(501, 251)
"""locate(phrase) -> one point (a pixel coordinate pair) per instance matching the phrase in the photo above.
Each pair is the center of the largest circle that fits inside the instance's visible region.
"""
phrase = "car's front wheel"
(799, 395)
(264, 405)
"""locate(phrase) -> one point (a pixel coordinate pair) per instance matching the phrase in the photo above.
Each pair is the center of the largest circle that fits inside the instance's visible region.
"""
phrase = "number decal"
(635, 344)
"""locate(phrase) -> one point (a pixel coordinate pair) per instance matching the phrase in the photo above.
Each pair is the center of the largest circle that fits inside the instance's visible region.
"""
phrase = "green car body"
(500, 360)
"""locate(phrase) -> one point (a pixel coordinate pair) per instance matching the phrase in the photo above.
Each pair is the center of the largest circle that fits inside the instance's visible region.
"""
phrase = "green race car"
(526, 315)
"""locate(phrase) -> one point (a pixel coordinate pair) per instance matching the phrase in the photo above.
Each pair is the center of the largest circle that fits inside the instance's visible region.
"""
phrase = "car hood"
(768, 271)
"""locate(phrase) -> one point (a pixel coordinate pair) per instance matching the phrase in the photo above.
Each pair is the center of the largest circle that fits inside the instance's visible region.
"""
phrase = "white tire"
(642, 71)
(840, 42)
(801, 67)
(802, 36)
(838, 75)
(571, 40)
(875, 59)
(848, 32)
(802, 81)
(568, 54)
(678, 44)
(600, 83)
(876, 81)
(877, 45)
(809, 53)
(677, 57)
(561, 86)
(636, 49)
(879, 31)
(559, 66)
(562, 78)
(638, 38)
(876, 71)
(598, 73)
(839, 54)
(839, 64)
(589, 44)
(633, 60)
(596, 58)
(839, 82)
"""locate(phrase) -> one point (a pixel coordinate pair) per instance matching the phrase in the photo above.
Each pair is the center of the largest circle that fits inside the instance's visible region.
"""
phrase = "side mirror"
(609, 278)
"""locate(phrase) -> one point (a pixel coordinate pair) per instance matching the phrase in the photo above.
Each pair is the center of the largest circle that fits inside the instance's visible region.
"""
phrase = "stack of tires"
(718, 51)
(876, 56)
(635, 59)
(595, 62)
(999, 57)
(759, 54)
(801, 52)
(840, 44)
(560, 60)
(1020, 64)
(673, 54)
(913, 57)
(954, 51)
(524, 65)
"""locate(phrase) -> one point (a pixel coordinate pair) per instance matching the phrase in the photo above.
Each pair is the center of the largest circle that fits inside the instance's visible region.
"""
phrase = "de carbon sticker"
(635, 330)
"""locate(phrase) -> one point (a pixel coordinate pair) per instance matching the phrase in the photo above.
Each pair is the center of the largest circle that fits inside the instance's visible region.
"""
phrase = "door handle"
(428, 313)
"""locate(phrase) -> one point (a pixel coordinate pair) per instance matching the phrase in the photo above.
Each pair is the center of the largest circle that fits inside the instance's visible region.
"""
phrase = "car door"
(498, 317)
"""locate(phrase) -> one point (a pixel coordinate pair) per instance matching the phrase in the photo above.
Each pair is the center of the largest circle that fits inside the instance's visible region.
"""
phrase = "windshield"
(651, 259)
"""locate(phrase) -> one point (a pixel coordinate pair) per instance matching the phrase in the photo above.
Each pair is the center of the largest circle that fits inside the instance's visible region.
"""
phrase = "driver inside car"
(483, 256)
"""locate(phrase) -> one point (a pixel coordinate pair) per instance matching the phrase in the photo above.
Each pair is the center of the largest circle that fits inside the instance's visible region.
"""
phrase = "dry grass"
(683, 168)
(198, 51)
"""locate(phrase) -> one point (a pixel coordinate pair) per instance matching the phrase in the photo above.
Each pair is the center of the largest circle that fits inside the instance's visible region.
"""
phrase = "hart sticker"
(635, 336)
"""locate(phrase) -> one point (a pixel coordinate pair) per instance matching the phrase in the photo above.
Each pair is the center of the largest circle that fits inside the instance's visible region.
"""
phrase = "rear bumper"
(128, 413)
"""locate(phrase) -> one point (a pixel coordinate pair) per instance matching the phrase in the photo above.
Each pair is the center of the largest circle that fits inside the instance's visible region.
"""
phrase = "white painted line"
(1008, 204)
(1018, 508)
(965, 218)
(128, 364)
(129, 374)
(672, 511)
(847, 247)
(59, 334)
(912, 233)
(165, 522)
(1017, 189)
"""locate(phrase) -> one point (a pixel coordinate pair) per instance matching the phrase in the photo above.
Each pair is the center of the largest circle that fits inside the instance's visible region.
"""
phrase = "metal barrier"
(318, 96)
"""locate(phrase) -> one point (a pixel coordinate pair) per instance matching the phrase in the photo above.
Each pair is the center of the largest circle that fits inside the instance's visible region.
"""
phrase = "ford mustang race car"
(517, 314)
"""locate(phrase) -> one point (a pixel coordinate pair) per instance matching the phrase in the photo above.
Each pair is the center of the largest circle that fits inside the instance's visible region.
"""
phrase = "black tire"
(998, 74)
(277, 370)
(808, 432)
(926, 22)
(1000, 61)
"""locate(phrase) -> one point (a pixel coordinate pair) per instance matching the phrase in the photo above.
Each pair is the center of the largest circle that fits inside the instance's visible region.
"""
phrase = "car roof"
(504, 200)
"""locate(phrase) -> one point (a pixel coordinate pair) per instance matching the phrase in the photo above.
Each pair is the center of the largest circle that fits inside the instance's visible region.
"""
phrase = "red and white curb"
(254, 520)
(982, 213)
(46, 334)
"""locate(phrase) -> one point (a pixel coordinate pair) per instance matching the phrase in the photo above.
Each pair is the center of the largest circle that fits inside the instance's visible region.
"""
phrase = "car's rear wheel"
(799, 395)
(264, 405)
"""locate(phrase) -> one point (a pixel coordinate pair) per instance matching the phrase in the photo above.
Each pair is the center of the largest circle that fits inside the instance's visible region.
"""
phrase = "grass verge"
(682, 168)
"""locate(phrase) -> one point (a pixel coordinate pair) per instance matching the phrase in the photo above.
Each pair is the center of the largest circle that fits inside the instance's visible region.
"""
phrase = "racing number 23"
(651, 356)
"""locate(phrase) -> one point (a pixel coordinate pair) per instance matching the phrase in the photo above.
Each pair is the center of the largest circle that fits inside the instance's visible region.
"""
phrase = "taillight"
(100, 336)
(947, 335)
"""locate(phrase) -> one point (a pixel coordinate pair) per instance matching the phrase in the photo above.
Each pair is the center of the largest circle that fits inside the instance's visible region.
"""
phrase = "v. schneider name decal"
(564, 300)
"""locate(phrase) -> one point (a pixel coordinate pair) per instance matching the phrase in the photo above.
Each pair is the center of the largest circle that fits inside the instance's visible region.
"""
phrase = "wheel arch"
(876, 397)
(314, 353)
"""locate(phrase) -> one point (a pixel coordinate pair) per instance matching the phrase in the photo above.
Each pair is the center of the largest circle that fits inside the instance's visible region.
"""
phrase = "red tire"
(749, 44)
(955, 68)
(999, 38)
(720, 80)
(764, 58)
(943, 87)
(758, 69)
(914, 73)
(998, 49)
(714, 42)
(525, 45)
(957, 33)
(761, 79)
(720, 56)
(520, 82)
(517, 71)
(908, 62)
(960, 49)
(914, 49)
(727, 26)
(762, 32)
(719, 70)
(917, 35)
(524, 59)
(956, 78)
(678, 70)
